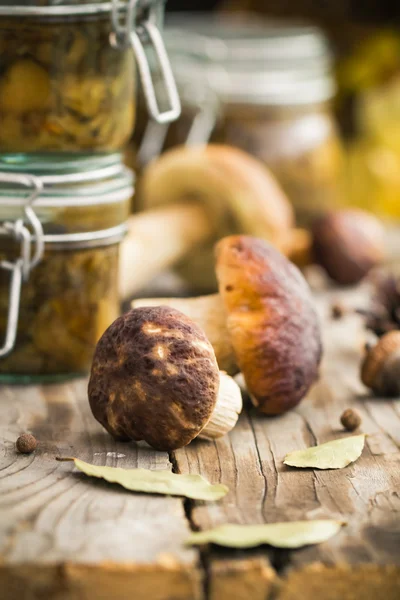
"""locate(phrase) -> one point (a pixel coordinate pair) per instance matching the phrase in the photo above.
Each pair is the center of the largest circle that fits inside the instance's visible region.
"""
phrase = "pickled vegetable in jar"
(266, 88)
(60, 230)
(67, 74)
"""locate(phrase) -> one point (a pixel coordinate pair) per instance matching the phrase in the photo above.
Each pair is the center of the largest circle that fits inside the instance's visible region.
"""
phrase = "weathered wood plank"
(263, 489)
(234, 460)
(58, 528)
(65, 537)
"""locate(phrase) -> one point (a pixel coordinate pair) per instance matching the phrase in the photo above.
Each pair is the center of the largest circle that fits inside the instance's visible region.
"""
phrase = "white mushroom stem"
(157, 239)
(210, 314)
(227, 410)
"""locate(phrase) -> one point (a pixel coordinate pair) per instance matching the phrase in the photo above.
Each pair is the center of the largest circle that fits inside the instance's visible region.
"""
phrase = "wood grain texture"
(366, 494)
(66, 537)
(56, 525)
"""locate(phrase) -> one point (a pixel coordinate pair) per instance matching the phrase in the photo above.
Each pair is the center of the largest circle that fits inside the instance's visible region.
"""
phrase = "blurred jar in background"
(367, 48)
(266, 89)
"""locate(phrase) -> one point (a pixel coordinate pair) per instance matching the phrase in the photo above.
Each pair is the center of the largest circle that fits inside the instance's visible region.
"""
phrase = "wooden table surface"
(64, 536)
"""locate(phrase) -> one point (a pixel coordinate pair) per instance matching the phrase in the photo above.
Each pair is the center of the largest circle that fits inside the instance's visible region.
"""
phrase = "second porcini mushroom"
(155, 378)
(263, 322)
(193, 196)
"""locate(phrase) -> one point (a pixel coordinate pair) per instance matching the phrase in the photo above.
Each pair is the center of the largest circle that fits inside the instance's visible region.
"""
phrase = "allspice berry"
(350, 419)
(26, 443)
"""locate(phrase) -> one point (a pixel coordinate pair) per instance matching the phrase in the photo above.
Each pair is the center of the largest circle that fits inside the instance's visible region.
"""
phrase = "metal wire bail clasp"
(21, 267)
(140, 29)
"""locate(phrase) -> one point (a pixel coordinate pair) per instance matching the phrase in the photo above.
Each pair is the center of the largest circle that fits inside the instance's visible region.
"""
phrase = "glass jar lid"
(227, 39)
(70, 181)
(271, 62)
(68, 203)
(68, 7)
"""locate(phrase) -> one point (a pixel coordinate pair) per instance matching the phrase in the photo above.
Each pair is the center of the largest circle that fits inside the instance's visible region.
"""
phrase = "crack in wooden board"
(65, 538)
(63, 533)
(263, 489)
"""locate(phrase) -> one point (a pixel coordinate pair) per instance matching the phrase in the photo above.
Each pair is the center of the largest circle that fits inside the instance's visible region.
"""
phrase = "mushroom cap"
(272, 321)
(154, 377)
(237, 190)
(348, 243)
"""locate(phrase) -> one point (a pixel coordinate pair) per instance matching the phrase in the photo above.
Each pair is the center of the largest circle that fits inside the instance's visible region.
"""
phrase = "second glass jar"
(59, 246)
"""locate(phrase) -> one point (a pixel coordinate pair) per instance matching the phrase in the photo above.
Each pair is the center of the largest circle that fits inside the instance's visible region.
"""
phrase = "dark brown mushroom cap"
(272, 321)
(154, 377)
(348, 243)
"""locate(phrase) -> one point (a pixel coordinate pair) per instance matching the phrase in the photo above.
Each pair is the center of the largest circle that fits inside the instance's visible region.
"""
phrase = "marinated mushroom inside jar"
(63, 87)
(70, 298)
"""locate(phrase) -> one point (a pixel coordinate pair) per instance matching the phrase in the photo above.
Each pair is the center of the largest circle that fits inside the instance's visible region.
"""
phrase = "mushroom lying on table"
(262, 322)
(194, 196)
(155, 378)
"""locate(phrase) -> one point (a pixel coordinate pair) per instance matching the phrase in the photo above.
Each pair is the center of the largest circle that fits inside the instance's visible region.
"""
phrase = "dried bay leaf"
(280, 535)
(155, 482)
(331, 455)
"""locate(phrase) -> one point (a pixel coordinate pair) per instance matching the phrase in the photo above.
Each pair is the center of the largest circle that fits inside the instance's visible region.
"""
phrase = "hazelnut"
(155, 378)
(26, 443)
(380, 370)
(348, 244)
(350, 419)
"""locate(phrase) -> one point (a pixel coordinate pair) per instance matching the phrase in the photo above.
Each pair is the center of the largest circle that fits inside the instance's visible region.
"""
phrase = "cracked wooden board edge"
(344, 582)
(241, 578)
(102, 581)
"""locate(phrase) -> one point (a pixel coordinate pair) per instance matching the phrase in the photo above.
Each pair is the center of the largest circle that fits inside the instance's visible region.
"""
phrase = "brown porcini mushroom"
(348, 243)
(267, 327)
(155, 378)
(192, 197)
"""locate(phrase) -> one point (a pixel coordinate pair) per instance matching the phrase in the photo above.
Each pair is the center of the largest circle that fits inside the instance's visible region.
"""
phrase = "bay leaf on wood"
(164, 482)
(280, 535)
(331, 455)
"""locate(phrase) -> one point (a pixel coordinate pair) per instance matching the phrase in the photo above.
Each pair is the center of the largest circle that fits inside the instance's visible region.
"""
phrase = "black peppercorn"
(26, 443)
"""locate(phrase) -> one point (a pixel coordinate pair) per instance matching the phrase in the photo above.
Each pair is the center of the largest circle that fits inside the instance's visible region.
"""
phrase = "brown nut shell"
(348, 244)
(154, 377)
(273, 324)
(380, 370)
